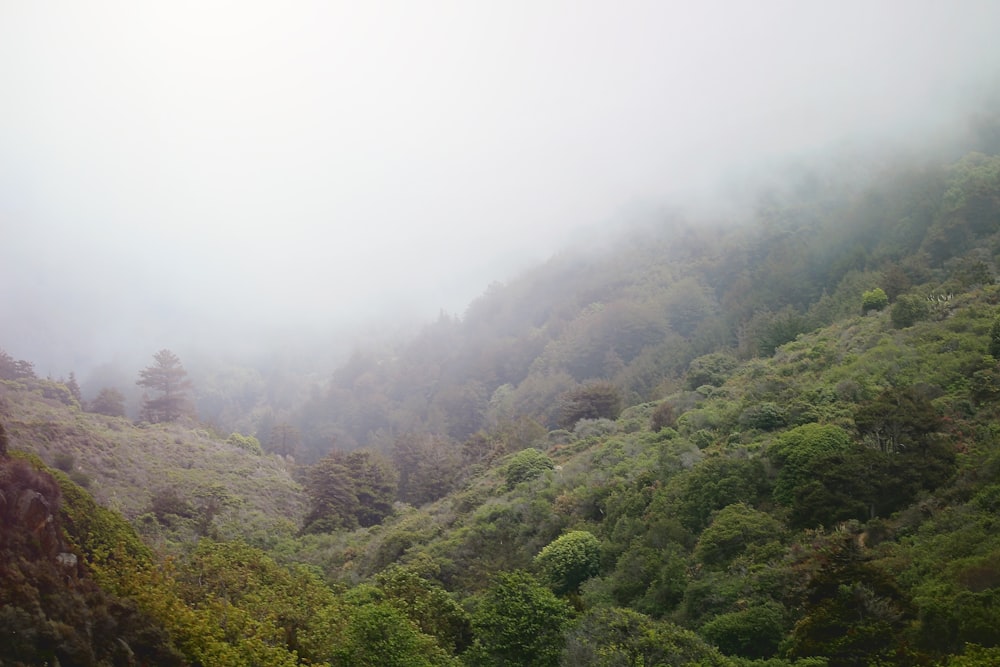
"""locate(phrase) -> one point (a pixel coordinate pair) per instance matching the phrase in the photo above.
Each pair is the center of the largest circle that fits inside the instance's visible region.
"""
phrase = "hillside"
(765, 441)
(173, 481)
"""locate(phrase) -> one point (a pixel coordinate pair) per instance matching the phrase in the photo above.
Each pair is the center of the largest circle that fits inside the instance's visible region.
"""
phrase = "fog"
(231, 175)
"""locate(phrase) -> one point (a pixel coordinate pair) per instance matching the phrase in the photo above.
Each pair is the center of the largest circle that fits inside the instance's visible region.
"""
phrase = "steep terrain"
(770, 443)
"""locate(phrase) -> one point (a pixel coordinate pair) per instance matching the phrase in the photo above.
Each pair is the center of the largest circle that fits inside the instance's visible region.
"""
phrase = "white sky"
(170, 169)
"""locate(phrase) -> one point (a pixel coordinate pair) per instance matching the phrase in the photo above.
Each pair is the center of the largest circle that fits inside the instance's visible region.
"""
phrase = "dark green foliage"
(518, 622)
(711, 369)
(994, 342)
(735, 529)
(764, 416)
(526, 465)
(349, 489)
(795, 450)
(899, 420)
(51, 610)
(853, 612)
(569, 560)
(380, 635)
(427, 605)
(908, 310)
(168, 506)
(429, 467)
(594, 400)
(754, 632)
(625, 638)
(711, 485)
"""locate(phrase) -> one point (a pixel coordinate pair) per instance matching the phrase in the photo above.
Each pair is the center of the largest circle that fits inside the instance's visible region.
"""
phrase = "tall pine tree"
(169, 380)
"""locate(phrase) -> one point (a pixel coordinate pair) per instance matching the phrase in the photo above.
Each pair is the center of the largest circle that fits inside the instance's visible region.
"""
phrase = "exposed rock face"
(28, 503)
(32, 511)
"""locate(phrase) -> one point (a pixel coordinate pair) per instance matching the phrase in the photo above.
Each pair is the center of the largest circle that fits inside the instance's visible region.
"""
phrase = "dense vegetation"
(716, 444)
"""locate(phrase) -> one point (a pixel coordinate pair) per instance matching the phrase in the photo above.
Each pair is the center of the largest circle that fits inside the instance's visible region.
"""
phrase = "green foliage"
(795, 450)
(711, 369)
(53, 611)
(594, 400)
(908, 310)
(735, 529)
(518, 622)
(428, 606)
(853, 612)
(569, 560)
(753, 632)
(663, 417)
(764, 416)
(994, 342)
(109, 401)
(247, 442)
(380, 635)
(429, 467)
(169, 379)
(625, 638)
(526, 465)
(349, 489)
(711, 485)
(874, 299)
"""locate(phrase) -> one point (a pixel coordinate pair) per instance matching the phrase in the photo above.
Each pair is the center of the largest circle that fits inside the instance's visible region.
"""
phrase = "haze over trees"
(168, 380)
(588, 467)
(750, 419)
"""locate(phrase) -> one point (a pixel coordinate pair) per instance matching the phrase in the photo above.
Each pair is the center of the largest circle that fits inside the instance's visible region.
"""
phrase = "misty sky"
(178, 171)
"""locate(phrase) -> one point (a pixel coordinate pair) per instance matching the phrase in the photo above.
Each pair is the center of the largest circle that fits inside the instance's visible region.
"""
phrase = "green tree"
(795, 449)
(875, 299)
(526, 465)
(853, 613)
(711, 369)
(74, 387)
(110, 402)
(349, 489)
(15, 369)
(754, 632)
(735, 529)
(428, 605)
(994, 346)
(379, 634)
(593, 400)
(625, 638)
(569, 560)
(169, 380)
(518, 622)
(908, 310)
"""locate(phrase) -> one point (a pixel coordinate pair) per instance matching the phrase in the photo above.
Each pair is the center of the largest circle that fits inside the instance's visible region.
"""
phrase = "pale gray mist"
(234, 174)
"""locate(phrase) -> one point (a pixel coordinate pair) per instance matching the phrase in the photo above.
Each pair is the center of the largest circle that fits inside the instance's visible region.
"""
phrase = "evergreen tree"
(110, 402)
(994, 348)
(349, 489)
(169, 379)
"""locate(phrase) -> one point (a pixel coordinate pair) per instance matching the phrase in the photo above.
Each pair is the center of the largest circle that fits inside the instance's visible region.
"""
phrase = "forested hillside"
(767, 439)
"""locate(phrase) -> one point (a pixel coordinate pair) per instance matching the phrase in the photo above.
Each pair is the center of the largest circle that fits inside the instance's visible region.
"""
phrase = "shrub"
(594, 400)
(526, 465)
(247, 442)
(875, 299)
(908, 310)
(570, 560)
(663, 417)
